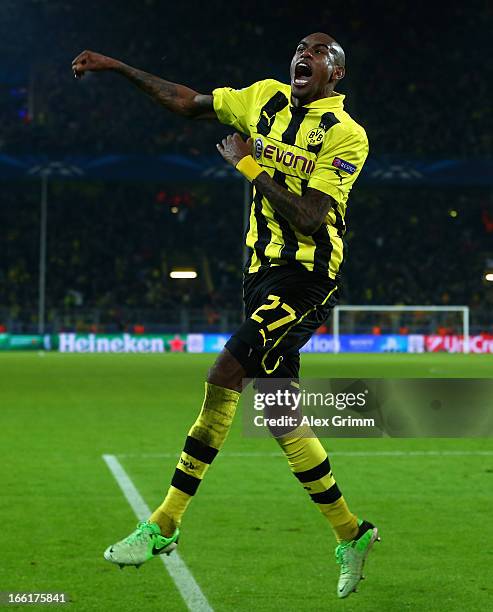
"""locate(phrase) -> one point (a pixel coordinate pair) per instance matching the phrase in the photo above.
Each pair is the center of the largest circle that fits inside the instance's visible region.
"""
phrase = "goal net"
(413, 329)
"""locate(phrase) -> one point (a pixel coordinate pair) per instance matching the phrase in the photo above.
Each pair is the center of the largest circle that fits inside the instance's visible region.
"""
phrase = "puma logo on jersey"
(268, 118)
(338, 173)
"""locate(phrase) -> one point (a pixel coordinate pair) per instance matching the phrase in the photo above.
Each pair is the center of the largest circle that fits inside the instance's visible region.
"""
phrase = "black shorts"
(284, 306)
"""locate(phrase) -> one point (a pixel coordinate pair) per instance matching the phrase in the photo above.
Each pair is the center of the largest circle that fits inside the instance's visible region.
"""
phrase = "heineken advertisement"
(95, 343)
(120, 343)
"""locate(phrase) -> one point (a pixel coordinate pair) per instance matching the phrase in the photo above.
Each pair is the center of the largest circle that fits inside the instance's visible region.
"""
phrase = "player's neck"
(326, 93)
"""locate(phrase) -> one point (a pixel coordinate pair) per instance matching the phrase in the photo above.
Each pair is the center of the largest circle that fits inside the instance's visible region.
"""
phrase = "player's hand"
(233, 148)
(90, 61)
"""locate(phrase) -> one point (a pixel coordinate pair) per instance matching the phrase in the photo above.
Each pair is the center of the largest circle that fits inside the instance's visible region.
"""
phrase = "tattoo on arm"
(176, 98)
(306, 213)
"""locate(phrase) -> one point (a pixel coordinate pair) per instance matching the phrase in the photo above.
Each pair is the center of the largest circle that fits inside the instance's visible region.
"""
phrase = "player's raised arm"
(177, 98)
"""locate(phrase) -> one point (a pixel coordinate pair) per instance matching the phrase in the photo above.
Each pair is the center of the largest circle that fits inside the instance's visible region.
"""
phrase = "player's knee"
(284, 415)
(227, 372)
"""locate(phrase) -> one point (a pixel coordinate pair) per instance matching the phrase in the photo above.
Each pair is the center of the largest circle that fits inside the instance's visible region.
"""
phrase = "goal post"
(463, 311)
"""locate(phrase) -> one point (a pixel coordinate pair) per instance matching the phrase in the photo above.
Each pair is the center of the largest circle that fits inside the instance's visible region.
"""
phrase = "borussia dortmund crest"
(316, 136)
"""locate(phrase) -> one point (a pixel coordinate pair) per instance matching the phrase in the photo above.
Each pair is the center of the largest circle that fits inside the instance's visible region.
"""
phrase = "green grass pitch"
(252, 538)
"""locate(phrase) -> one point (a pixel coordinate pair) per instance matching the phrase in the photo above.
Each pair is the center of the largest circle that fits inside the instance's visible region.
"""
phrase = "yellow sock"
(203, 442)
(343, 522)
(309, 463)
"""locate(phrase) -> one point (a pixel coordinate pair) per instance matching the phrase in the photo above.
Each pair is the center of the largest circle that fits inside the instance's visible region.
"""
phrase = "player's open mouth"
(302, 74)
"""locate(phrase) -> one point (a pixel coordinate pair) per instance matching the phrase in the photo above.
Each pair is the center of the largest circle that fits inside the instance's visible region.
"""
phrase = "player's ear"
(338, 73)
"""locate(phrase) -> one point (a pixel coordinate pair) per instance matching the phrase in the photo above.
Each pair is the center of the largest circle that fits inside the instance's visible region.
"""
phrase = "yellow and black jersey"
(317, 145)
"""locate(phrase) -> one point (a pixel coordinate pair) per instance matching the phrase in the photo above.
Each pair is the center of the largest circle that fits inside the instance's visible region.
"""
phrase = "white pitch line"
(192, 595)
(421, 453)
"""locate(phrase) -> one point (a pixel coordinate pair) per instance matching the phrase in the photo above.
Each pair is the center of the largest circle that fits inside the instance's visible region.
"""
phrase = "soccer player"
(302, 156)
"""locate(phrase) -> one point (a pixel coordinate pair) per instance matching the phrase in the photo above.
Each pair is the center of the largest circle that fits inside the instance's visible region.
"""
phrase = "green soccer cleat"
(351, 556)
(143, 544)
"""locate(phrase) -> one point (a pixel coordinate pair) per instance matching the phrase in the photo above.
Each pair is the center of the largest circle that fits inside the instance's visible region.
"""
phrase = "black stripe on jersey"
(186, 483)
(319, 471)
(288, 251)
(323, 249)
(197, 449)
(269, 111)
(297, 116)
(264, 234)
(339, 224)
(323, 245)
(327, 497)
(327, 121)
(290, 247)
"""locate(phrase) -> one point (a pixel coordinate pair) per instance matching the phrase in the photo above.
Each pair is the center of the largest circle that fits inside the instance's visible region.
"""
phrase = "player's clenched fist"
(92, 62)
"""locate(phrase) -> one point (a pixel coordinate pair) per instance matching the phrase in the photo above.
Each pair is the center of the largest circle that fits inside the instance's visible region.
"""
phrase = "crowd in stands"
(411, 82)
(111, 247)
